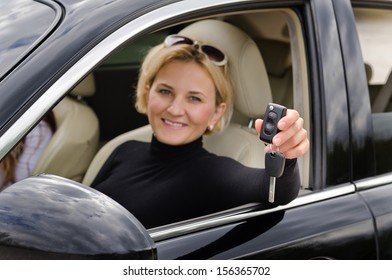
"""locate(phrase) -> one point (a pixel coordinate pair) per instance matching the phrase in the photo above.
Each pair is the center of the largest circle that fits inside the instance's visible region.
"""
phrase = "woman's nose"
(176, 107)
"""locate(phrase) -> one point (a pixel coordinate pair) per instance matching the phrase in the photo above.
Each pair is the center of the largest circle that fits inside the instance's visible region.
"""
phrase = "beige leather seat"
(277, 59)
(252, 94)
(383, 98)
(75, 141)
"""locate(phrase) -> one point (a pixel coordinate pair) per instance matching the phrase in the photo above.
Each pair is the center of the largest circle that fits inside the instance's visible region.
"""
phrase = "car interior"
(72, 117)
(374, 25)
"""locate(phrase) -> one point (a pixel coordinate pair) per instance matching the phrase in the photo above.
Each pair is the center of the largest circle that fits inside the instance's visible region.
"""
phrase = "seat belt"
(383, 97)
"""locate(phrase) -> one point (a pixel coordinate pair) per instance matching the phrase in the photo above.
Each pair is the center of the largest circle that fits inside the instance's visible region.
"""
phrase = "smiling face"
(181, 103)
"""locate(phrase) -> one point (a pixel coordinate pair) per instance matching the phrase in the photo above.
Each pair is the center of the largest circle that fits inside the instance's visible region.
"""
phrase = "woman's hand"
(292, 140)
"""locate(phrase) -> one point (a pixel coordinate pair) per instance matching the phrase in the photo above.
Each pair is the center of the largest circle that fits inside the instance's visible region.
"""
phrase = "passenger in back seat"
(22, 159)
(185, 91)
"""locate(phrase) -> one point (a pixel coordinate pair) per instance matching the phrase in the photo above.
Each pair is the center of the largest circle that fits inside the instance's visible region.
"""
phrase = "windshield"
(23, 24)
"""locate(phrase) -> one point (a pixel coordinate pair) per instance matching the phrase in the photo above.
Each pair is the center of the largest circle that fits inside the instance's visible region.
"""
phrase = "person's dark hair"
(9, 162)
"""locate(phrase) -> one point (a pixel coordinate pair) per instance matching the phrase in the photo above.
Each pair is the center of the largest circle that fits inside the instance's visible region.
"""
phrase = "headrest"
(86, 87)
(276, 56)
(369, 72)
(250, 81)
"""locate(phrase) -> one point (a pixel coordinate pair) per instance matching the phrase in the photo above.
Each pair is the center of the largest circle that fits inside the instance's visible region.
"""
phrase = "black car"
(328, 59)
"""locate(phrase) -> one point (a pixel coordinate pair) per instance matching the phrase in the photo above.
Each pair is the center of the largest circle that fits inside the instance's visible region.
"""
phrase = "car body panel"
(380, 202)
(357, 94)
(296, 233)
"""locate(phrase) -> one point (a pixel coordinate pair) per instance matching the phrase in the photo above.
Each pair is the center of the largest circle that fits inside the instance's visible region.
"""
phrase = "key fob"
(273, 114)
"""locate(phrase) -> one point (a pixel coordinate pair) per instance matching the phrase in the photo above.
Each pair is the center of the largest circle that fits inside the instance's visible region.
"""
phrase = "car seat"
(277, 59)
(383, 97)
(252, 94)
(75, 141)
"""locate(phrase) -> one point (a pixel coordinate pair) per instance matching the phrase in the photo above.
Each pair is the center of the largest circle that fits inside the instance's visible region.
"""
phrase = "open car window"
(284, 59)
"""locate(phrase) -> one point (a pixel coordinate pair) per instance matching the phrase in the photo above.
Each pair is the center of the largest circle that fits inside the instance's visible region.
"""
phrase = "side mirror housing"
(49, 217)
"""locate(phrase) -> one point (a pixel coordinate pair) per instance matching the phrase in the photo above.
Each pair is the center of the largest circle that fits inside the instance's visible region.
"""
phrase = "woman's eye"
(165, 91)
(195, 99)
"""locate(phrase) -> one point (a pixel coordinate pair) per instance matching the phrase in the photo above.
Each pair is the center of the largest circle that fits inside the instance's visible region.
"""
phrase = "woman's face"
(181, 103)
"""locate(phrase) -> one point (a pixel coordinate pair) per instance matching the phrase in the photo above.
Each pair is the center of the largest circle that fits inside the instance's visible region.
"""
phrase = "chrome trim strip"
(92, 58)
(375, 181)
(228, 217)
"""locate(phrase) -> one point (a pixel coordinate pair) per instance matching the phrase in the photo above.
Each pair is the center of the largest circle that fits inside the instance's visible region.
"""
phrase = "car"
(328, 59)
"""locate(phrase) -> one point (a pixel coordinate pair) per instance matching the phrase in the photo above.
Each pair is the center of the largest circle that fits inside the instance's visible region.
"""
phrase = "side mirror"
(49, 217)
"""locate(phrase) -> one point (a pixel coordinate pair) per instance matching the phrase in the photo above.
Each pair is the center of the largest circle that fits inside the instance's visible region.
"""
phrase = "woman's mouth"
(174, 124)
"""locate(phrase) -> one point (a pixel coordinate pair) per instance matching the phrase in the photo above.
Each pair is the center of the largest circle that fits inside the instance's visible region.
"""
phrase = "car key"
(274, 160)
(274, 166)
(272, 115)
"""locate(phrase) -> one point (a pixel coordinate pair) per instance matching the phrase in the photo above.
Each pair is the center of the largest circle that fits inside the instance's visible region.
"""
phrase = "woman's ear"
(219, 112)
(146, 94)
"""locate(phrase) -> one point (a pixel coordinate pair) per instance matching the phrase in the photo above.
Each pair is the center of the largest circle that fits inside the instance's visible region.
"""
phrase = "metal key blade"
(271, 192)
(274, 166)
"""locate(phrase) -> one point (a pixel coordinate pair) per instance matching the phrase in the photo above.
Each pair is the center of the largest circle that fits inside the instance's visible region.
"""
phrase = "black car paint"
(328, 98)
(354, 226)
(380, 200)
(357, 95)
(294, 234)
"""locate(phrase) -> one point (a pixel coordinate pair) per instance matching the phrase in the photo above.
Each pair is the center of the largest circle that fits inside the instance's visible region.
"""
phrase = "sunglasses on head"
(214, 54)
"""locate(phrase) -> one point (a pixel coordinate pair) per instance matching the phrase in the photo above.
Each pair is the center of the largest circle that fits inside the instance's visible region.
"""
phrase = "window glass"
(374, 29)
(22, 24)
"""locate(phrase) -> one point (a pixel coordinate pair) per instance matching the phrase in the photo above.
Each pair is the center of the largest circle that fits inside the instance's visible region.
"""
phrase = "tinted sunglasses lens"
(213, 53)
(176, 40)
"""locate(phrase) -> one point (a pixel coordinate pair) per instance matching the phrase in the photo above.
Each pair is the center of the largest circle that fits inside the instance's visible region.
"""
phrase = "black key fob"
(273, 114)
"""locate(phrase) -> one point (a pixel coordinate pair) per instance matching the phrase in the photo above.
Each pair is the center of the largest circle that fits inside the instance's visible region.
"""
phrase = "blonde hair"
(160, 55)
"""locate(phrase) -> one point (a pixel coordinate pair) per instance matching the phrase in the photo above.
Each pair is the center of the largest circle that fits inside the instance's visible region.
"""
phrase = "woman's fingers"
(292, 140)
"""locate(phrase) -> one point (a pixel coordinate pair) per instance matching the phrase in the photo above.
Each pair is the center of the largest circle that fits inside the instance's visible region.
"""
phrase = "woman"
(185, 91)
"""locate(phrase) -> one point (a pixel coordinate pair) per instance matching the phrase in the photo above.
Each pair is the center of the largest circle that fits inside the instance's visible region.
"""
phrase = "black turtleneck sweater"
(161, 184)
